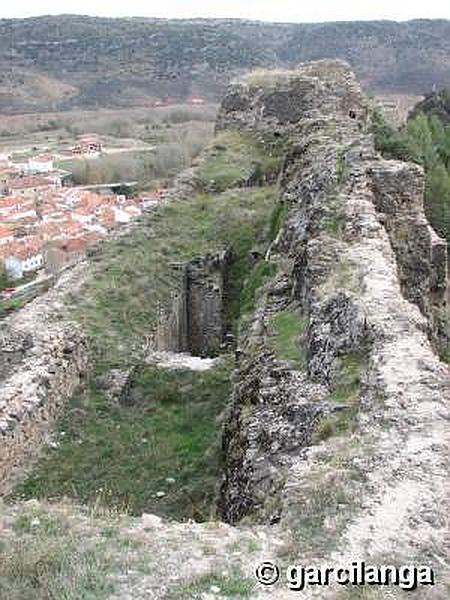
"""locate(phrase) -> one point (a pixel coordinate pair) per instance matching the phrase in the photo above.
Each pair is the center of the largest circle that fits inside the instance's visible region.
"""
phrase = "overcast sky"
(265, 10)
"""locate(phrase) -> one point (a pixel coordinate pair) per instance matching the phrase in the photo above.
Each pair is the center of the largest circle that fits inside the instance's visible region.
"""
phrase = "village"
(46, 223)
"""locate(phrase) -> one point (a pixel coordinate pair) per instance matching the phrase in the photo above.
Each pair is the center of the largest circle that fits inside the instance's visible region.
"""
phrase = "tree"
(437, 199)
(421, 142)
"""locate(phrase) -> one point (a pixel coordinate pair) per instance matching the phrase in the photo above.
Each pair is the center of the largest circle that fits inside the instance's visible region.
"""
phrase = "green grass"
(5, 281)
(288, 327)
(347, 391)
(233, 586)
(12, 304)
(277, 219)
(134, 275)
(235, 159)
(445, 356)
(122, 456)
(260, 273)
(45, 561)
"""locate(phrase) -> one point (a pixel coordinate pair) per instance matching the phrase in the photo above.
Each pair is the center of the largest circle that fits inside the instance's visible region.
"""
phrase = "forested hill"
(50, 63)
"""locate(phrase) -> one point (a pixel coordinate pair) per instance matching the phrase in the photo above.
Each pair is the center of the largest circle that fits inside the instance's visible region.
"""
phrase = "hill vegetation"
(69, 62)
(436, 103)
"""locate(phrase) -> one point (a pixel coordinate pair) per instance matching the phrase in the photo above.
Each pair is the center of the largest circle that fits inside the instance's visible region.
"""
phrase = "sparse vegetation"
(157, 454)
(234, 586)
(289, 326)
(267, 78)
(349, 379)
(347, 391)
(324, 511)
(44, 561)
(360, 593)
(335, 218)
(344, 274)
(236, 159)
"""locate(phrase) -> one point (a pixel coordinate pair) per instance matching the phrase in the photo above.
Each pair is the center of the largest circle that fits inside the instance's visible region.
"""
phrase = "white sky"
(265, 10)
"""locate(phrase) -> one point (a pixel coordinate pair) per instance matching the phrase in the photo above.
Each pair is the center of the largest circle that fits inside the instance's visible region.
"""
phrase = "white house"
(24, 258)
(40, 164)
(121, 216)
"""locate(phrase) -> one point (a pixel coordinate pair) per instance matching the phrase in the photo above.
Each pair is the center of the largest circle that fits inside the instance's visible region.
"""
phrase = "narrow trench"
(155, 447)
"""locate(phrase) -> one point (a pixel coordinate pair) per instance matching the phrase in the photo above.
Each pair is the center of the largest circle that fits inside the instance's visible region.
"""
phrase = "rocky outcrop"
(359, 262)
(44, 358)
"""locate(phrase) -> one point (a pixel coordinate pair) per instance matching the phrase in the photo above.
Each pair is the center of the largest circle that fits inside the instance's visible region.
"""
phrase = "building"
(87, 144)
(29, 186)
(6, 236)
(24, 257)
(40, 164)
(17, 208)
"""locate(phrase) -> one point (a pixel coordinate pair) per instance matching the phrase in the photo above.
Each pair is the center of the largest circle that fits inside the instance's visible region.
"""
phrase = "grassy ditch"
(159, 454)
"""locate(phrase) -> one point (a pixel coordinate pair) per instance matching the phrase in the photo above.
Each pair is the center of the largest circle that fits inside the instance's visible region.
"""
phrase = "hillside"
(437, 104)
(67, 62)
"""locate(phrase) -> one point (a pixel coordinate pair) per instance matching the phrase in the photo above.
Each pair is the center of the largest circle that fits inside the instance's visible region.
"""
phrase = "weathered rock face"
(359, 262)
(44, 358)
(323, 88)
(421, 254)
(13, 349)
(195, 323)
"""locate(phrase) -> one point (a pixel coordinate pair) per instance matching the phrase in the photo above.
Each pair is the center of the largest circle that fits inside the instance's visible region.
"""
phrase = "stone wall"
(195, 321)
(357, 260)
(398, 191)
(44, 357)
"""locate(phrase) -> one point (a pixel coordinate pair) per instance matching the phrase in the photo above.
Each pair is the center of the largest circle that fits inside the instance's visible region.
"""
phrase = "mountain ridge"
(68, 62)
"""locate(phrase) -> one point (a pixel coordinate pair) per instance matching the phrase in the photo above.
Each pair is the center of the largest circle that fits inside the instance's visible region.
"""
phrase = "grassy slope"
(233, 159)
(134, 275)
